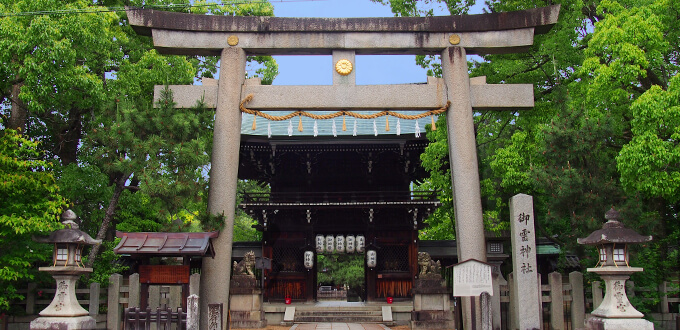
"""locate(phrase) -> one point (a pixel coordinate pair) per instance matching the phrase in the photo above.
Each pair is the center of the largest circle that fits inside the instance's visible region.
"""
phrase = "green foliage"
(86, 87)
(243, 223)
(106, 264)
(603, 131)
(341, 269)
(87, 190)
(211, 222)
(436, 161)
(162, 149)
(30, 205)
(650, 163)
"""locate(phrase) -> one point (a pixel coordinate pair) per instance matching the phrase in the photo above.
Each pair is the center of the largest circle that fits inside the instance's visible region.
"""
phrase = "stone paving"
(339, 326)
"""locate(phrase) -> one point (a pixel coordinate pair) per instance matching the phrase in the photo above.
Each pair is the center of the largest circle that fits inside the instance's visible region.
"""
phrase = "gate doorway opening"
(341, 277)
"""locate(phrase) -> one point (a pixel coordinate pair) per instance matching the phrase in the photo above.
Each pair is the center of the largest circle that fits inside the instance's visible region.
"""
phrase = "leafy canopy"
(30, 205)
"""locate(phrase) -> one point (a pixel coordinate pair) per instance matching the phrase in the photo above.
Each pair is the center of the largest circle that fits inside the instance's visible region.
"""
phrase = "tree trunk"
(119, 187)
(18, 112)
(69, 138)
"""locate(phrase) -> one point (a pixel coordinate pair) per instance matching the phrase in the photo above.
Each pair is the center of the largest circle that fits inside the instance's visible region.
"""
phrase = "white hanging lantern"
(360, 243)
(371, 258)
(309, 259)
(320, 243)
(330, 243)
(340, 244)
(349, 244)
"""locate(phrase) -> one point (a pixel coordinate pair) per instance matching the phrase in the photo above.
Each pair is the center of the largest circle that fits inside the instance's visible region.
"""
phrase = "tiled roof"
(166, 244)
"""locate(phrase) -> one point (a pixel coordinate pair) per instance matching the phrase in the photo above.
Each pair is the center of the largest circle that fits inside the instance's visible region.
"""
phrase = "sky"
(317, 70)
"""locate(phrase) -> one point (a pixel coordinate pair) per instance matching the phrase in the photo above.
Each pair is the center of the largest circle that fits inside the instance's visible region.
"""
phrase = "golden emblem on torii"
(343, 67)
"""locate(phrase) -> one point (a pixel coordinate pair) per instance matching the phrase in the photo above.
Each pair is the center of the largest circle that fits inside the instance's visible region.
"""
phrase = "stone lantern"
(65, 311)
(615, 311)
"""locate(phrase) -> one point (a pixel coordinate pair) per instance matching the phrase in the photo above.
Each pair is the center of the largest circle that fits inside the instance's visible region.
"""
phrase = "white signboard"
(471, 278)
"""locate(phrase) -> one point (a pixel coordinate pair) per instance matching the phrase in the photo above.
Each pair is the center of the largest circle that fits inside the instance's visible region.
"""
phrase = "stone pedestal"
(615, 311)
(246, 303)
(66, 323)
(618, 324)
(64, 312)
(431, 305)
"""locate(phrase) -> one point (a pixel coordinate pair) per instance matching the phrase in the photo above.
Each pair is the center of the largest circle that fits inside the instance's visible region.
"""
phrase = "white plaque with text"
(471, 278)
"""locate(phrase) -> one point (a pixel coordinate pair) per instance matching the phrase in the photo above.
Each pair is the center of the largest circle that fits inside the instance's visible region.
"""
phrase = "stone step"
(337, 308)
(339, 314)
(340, 319)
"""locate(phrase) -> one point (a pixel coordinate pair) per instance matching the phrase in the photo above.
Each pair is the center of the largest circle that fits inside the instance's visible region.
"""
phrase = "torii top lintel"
(180, 33)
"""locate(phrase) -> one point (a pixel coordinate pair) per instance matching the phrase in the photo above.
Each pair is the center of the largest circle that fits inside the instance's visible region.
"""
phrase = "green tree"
(341, 269)
(243, 223)
(30, 204)
(52, 69)
(601, 133)
(163, 150)
(83, 87)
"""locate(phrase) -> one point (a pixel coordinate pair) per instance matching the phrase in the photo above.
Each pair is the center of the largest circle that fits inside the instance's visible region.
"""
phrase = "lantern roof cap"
(71, 234)
(613, 231)
(68, 235)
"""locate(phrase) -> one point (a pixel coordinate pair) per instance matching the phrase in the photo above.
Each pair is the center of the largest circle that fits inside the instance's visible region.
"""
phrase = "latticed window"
(62, 253)
(496, 247)
(288, 259)
(619, 252)
(603, 254)
(393, 259)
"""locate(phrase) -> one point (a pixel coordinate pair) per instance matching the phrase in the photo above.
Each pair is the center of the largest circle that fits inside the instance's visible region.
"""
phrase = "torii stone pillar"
(467, 200)
(216, 272)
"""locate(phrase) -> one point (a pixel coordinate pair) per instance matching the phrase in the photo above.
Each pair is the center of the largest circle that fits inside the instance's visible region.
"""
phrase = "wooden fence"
(37, 299)
(565, 301)
(125, 293)
(160, 318)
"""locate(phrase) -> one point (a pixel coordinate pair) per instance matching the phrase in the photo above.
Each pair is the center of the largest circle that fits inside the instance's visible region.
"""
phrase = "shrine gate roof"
(155, 244)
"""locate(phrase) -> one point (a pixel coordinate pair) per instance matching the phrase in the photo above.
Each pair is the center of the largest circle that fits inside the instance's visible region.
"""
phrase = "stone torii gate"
(452, 37)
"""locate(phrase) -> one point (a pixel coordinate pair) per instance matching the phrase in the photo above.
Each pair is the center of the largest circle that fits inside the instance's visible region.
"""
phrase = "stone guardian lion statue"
(428, 268)
(245, 266)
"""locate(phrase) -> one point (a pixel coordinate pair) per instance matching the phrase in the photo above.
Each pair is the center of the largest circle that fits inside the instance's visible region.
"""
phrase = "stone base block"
(436, 316)
(432, 320)
(429, 286)
(248, 319)
(243, 284)
(440, 325)
(598, 323)
(240, 324)
(63, 323)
